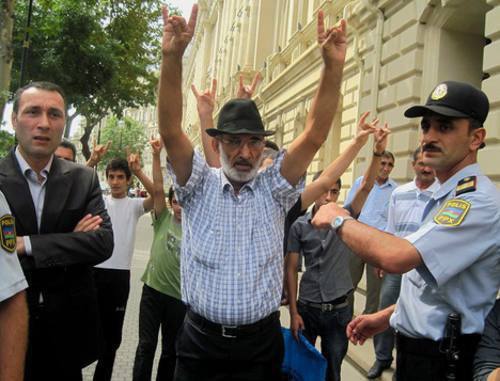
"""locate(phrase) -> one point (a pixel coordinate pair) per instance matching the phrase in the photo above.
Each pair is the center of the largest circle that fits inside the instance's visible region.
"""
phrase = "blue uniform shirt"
(374, 212)
(11, 275)
(459, 242)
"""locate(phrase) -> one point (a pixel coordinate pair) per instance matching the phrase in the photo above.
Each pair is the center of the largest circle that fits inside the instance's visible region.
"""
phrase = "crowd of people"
(231, 234)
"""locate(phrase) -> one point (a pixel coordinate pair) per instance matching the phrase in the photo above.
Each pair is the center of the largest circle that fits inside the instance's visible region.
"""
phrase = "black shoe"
(377, 369)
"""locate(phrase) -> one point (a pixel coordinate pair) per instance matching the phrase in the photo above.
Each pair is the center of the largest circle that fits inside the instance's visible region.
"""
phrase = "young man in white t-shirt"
(113, 276)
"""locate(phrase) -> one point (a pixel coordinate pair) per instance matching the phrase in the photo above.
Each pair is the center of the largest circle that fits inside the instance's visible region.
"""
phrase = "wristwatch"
(339, 221)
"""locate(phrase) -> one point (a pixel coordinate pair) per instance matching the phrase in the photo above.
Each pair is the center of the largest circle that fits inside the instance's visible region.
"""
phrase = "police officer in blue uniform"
(13, 307)
(451, 265)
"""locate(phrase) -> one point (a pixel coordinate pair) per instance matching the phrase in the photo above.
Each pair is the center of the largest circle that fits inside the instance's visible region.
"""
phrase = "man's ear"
(478, 136)
(13, 119)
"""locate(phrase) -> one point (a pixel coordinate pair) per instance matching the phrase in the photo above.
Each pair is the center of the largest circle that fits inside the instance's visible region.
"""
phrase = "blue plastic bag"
(302, 361)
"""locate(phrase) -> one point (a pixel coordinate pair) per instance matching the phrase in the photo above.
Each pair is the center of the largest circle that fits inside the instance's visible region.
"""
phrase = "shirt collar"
(451, 183)
(226, 184)
(389, 183)
(430, 189)
(309, 214)
(25, 167)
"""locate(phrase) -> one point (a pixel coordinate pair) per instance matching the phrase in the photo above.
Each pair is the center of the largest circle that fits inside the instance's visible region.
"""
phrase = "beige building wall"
(398, 50)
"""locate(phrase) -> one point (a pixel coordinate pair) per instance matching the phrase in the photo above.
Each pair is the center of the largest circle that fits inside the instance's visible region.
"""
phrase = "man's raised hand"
(156, 145)
(134, 161)
(246, 91)
(333, 41)
(205, 101)
(381, 139)
(365, 128)
(177, 33)
(98, 152)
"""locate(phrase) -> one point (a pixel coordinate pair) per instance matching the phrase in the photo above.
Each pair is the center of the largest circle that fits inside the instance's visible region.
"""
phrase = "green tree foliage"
(6, 56)
(103, 53)
(6, 143)
(127, 134)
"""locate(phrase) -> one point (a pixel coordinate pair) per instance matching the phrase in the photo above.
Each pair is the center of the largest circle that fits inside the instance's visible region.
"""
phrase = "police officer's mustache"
(429, 147)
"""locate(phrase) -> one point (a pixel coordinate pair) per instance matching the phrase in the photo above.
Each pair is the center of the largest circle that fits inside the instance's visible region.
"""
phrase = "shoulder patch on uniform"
(452, 213)
(8, 233)
(467, 184)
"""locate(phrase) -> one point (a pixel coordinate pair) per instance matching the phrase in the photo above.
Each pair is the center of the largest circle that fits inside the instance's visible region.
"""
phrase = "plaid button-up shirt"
(232, 245)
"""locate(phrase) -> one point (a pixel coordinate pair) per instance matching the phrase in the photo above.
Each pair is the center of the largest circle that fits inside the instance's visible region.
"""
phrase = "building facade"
(397, 51)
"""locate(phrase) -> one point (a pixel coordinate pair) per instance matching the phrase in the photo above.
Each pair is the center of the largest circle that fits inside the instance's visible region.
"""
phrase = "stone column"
(248, 62)
(488, 156)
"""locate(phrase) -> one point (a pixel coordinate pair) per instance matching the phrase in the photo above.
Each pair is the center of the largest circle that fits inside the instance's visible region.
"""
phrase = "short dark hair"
(272, 145)
(171, 194)
(417, 152)
(389, 155)
(65, 143)
(41, 85)
(119, 164)
(475, 124)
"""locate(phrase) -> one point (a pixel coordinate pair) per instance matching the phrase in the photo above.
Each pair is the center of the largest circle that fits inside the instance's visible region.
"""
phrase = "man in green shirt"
(161, 303)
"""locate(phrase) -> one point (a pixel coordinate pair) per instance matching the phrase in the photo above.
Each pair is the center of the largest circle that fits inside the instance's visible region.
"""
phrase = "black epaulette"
(467, 184)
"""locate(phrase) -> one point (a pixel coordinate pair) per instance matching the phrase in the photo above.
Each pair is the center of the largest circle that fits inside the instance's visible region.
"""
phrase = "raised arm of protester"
(333, 46)
(158, 192)
(205, 104)
(380, 139)
(334, 170)
(134, 163)
(98, 152)
(177, 33)
(246, 91)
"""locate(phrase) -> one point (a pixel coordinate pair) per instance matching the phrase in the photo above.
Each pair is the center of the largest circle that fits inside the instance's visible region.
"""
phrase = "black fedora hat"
(239, 116)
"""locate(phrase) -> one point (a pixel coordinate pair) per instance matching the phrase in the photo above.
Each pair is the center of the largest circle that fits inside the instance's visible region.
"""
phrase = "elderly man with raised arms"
(233, 217)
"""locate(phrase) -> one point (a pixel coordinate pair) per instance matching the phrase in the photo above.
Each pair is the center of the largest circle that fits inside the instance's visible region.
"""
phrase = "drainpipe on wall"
(377, 56)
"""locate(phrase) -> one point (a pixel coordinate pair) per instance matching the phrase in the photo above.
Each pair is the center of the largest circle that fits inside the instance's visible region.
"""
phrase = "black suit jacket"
(61, 294)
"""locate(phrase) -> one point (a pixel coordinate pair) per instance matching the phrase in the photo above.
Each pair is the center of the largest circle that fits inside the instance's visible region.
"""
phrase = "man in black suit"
(63, 230)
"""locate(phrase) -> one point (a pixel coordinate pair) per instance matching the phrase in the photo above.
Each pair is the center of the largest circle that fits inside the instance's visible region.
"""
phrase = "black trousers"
(157, 310)
(113, 287)
(423, 359)
(46, 357)
(203, 355)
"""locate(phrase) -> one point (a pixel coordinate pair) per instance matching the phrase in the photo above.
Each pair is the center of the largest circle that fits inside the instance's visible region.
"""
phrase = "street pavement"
(124, 361)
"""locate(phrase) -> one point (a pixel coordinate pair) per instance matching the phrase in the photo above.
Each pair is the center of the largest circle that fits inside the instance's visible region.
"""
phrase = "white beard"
(232, 173)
